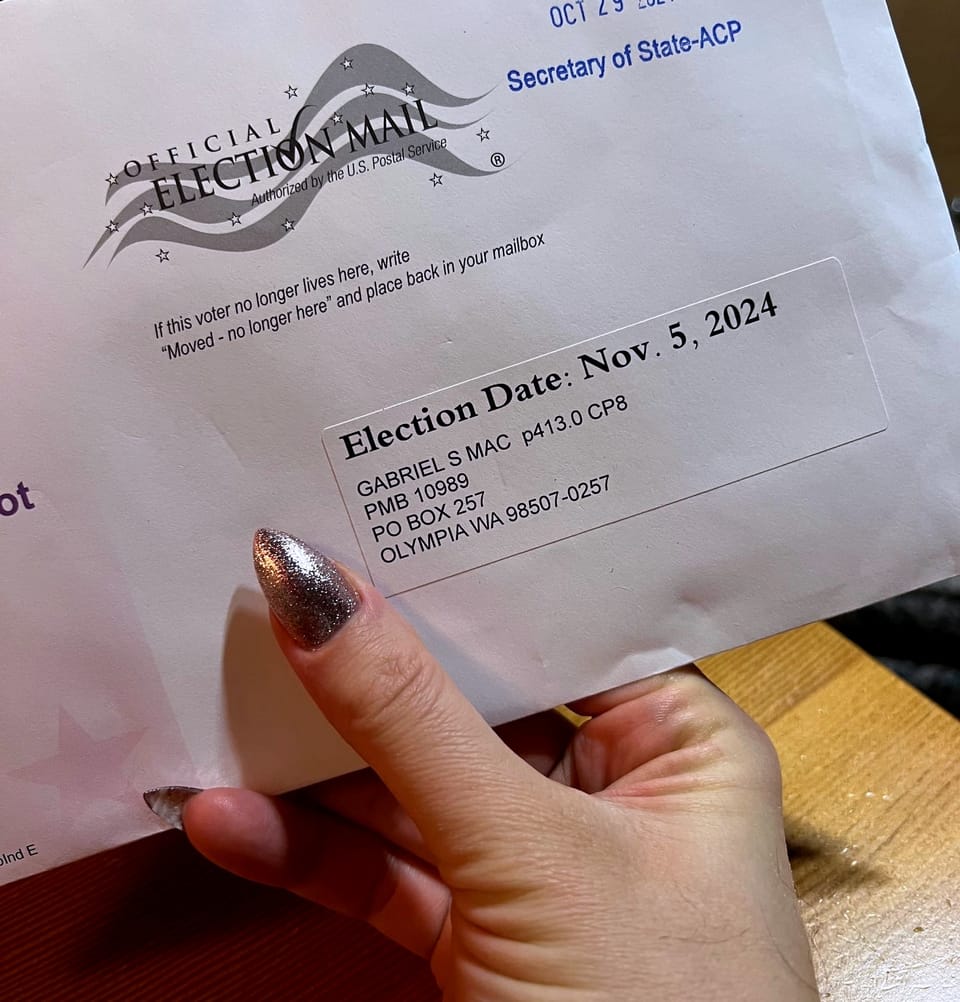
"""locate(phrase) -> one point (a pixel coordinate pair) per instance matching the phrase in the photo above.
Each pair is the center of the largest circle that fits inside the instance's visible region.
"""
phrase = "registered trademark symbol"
(498, 159)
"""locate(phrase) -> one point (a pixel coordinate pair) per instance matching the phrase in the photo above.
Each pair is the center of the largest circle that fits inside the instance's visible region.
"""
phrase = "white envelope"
(602, 336)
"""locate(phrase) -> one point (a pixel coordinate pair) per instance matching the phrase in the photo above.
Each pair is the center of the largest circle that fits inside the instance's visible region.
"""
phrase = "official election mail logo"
(246, 187)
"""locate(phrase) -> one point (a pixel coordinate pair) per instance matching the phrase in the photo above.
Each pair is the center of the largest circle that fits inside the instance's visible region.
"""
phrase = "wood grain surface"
(873, 816)
(872, 805)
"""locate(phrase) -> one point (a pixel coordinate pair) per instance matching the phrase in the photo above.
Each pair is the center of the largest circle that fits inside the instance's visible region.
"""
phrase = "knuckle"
(710, 718)
(765, 758)
(395, 686)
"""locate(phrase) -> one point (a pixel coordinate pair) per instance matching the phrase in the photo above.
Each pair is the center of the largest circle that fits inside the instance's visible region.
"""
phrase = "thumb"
(376, 683)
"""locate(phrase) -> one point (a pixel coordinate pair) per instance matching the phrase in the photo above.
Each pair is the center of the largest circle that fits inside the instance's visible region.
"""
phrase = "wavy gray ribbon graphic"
(369, 64)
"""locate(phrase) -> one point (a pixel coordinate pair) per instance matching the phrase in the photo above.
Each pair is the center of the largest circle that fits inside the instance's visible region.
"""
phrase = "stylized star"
(337, 118)
(234, 220)
(408, 89)
(436, 179)
(347, 63)
(112, 179)
(484, 135)
(146, 208)
(162, 256)
(288, 224)
(112, 226)
(84, 768)
(291, 91)
(367, 89)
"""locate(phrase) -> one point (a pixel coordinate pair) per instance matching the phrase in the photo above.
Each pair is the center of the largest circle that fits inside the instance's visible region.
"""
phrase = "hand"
(640, 856)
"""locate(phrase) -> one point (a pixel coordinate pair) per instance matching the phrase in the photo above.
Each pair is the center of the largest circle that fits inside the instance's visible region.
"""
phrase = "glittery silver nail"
(167, 803)
(305, 590)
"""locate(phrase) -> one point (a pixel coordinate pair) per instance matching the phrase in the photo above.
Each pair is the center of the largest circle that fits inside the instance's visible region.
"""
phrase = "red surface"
(153, 920)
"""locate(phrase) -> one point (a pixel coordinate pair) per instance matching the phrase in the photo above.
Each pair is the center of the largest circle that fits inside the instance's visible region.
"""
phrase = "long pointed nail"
(167, 802)
(304, 589)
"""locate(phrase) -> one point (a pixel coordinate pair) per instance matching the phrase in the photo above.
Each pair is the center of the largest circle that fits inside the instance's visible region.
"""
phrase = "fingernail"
(167, 802)
(304, 589)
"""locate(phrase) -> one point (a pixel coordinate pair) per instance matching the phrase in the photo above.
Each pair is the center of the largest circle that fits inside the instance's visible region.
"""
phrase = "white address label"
(607, 429)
